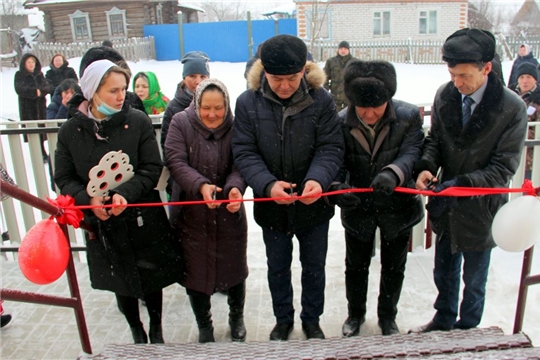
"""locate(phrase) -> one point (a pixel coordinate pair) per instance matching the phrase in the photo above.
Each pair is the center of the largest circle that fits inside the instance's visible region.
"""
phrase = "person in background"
(59, 71)
(133, 254)
(478, 129)
(527, 88)
(57, 109)
(383, 140)
(525, 55)
(287, 141)
(334, 68)
(195, 70)
(107, 43)
(32, 87)
(497, 68)
(213, 237)
(108, 53)
(146, 86)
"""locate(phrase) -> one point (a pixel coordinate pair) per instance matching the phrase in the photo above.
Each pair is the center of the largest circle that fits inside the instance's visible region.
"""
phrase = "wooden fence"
(132, 49)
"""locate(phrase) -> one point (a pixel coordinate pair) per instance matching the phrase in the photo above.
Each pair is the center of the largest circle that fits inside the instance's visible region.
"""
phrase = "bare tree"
(485, 14)
(225, 11)
(317, 21)
(9, 11)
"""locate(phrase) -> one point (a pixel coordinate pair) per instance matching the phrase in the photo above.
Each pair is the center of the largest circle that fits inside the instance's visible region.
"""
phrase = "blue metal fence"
(223, 41)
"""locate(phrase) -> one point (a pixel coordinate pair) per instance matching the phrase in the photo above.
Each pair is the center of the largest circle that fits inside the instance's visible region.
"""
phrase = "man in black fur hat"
(477, 134)
(287, 142)
(383, 140)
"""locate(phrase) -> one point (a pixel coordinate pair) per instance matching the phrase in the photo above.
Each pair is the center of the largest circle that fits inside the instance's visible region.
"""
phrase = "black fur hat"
(369, 83)
(283, 55)
(99, 53)
(469, 46)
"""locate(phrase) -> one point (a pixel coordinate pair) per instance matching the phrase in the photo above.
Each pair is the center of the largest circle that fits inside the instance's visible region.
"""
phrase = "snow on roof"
(47, 2)
(287, 9)
(189, 6)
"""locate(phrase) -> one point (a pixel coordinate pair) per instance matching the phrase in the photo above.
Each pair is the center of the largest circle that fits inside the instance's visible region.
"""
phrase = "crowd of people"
(298, 131)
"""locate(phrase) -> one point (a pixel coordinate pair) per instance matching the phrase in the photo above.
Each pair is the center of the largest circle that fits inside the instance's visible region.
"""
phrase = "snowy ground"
(416, 84)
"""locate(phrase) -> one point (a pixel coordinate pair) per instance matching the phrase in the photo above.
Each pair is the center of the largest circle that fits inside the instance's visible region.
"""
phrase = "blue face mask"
(106, 109)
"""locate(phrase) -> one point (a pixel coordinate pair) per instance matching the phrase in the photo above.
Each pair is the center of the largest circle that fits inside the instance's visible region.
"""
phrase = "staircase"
(487, 343)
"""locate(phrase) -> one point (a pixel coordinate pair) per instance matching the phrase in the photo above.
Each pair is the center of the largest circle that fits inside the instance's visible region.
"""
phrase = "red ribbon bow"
(67, 213)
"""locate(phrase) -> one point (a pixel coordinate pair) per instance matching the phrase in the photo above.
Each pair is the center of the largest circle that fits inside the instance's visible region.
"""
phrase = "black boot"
(156, 334)
(139, 335)
(236, 300)
(201, 308)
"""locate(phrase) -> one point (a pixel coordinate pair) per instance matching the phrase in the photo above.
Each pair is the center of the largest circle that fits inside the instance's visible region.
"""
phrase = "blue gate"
(225, 41)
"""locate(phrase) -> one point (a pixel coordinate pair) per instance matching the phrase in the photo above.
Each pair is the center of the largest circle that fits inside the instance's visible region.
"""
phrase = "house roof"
(189, 6)
(287, 9)
(528, 13)
(33, 3)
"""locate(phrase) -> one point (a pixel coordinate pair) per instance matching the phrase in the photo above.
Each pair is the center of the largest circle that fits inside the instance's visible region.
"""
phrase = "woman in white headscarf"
(133, 254)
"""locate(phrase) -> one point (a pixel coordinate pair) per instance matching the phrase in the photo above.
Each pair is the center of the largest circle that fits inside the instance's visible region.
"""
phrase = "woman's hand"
(208, 193)
(234, 194)
(105, 213)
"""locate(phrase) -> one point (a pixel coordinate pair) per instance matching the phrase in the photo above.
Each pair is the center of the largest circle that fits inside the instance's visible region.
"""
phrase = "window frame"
(115, 12)
(381, 18)
(327, 20)
(428, 21)
(78, 14)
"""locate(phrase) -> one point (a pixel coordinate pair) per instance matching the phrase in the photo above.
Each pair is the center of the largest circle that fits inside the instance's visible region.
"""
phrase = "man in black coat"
(477, 135)
(383, 140)
(287, 142)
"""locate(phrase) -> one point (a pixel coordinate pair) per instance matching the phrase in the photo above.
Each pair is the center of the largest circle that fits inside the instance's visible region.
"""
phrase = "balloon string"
(527, 188)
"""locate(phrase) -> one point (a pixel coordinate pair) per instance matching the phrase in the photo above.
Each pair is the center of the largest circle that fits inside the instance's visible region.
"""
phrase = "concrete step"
(474, 343)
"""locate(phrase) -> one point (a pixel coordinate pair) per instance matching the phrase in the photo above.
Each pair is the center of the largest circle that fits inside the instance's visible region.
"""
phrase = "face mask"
(106, 109)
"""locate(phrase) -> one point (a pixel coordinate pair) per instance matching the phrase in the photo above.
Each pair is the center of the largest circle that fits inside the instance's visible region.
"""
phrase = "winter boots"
(139, 335)
(200, 304)
(236, 300)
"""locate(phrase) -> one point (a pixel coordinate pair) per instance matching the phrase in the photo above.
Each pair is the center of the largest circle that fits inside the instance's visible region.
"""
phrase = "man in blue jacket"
(287, 142)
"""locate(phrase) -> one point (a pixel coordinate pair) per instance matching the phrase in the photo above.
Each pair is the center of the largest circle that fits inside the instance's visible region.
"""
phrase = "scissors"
(431, 184)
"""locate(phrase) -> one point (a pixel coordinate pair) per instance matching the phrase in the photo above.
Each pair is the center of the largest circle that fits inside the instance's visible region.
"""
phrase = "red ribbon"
(68, 213)
(71, 214)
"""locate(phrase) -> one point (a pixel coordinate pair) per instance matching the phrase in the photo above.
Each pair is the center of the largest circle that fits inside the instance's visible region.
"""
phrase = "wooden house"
(380, 20)
(68, 21)
(527, 20)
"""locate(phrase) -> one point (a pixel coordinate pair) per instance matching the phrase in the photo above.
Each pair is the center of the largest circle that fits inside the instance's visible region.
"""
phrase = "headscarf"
(92, 77)
(200, 89)
(156, 102)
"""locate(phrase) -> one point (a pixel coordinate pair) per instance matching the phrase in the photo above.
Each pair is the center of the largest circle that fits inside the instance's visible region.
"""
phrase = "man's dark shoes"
(430, 326)
(351, 326)
(388, 327)
(4, 320)
(313, 331)
(281, 332)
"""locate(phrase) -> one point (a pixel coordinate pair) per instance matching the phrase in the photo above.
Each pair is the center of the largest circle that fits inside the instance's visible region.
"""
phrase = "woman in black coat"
(213, 237)
(133, 254)
(59, 71)
(31, 86)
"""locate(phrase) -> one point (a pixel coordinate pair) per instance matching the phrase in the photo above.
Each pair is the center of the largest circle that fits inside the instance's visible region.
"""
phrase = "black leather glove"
(439, 205)
(384, 182)
(347, 201)
(444, 185)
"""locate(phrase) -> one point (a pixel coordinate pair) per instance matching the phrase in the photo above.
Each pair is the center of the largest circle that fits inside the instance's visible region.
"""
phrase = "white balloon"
(516, 226)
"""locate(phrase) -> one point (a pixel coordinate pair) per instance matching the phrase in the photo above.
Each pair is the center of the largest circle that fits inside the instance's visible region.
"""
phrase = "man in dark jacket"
(334, 69)
(383, 140)
(287, 142)
(477, 135)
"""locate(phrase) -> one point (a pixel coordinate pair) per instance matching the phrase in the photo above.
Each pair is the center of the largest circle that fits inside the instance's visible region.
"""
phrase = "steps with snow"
(486, 343)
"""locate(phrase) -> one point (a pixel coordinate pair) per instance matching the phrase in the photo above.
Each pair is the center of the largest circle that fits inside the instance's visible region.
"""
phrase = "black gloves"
(384, 182)
(347, 201)
(444, 185)
(439, 205)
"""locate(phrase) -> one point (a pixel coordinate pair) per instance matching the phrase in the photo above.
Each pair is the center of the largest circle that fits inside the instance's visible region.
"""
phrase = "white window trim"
(427, 17)
(80, 14)
(116, 11)
(382, 11)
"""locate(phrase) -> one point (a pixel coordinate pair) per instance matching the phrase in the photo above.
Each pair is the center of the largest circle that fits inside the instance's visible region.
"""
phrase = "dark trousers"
(313, 244)
(357, 262)
(130, 307)
(447, 279)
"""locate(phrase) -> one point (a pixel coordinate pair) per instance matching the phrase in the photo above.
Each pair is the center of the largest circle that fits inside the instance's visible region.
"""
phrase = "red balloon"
(44, 252)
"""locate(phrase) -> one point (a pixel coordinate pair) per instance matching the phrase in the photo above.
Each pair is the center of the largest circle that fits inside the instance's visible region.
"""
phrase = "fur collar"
(484, 115)
(315, 76)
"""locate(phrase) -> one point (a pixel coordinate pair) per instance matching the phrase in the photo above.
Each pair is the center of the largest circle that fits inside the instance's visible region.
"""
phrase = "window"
(428, 22)
(381, 23)
(116, 22)
(318, 23)
(80, 26)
